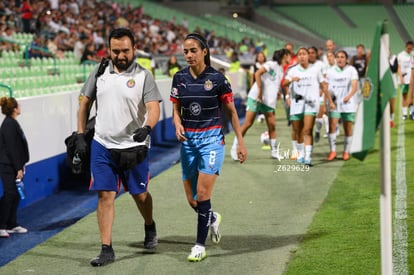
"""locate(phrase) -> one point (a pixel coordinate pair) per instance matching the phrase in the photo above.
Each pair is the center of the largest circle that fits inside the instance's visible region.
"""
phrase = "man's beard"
(124, 64)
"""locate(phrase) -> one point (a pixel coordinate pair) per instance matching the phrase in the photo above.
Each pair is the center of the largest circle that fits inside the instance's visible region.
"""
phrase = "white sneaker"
(214, 229)
(198, 253)
(4, 234)
(275, 155)
(233, 154)
(17, 229)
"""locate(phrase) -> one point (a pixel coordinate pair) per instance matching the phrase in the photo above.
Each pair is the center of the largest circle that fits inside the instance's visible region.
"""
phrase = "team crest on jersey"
(367, 88)
(195, 108)
(130, 83)
(208, 85)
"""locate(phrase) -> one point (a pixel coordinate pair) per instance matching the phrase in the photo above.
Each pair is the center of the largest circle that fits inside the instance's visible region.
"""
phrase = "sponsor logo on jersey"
(131, 83)
(195, 108)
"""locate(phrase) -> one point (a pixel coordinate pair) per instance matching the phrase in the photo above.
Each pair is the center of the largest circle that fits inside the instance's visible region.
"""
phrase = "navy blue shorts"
(107, 176)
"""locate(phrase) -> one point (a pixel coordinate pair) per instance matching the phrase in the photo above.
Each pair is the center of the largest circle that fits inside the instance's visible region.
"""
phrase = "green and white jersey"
(308, 87)
(121, 99)
(340, 85)
(404, 61)
(270, 84)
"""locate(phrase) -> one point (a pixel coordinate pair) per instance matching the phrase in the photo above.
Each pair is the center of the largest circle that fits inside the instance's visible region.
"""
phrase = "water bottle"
(20, 188)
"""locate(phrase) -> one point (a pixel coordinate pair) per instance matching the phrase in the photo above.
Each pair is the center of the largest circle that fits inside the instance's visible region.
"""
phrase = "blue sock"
(204, 217)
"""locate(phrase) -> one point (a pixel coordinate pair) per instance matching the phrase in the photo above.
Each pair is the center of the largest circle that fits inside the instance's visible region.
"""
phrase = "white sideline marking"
(400, 244)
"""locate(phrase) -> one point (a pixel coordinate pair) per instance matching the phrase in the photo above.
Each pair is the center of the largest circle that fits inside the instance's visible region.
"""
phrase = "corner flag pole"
(385, 197)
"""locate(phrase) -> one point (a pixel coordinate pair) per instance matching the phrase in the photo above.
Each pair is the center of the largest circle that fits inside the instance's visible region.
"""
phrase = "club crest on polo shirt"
(208, 85)
(131, 83)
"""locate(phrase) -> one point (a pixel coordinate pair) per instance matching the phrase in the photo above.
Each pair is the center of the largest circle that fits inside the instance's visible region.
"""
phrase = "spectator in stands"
(79, 46)
(8, 42)
(51, 45)
(2, 11)
(62, 42)
(14, 154)
(89, 54)
(172, 66)
(26, 16)
(145, 59)
(38, 48)
(102, 52)
(234, 62)
(74, 7)
(184, 22)
(197, 92)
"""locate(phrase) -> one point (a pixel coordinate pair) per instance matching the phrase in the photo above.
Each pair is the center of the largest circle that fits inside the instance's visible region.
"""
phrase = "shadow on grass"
(230, 245)
(61, 224)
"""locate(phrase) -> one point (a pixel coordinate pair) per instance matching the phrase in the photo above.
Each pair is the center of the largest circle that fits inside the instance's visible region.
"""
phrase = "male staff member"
(128, 108)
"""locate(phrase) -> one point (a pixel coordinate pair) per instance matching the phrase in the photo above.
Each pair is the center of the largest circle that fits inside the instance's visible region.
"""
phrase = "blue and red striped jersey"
(201, 100)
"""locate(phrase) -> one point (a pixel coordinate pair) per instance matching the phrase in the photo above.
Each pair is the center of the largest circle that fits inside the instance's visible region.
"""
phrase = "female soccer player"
(342, 85)
(262, 98)
(198, 92)
(305, 82)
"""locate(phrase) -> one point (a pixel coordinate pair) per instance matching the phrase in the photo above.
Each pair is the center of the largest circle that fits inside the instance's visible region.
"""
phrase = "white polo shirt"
(121, 99)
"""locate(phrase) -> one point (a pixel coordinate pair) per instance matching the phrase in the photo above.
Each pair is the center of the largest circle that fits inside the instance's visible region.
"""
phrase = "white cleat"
(214, 229)
(198, 253)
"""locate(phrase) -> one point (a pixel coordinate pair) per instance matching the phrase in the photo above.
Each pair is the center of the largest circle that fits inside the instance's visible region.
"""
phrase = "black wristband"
(148, 128)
